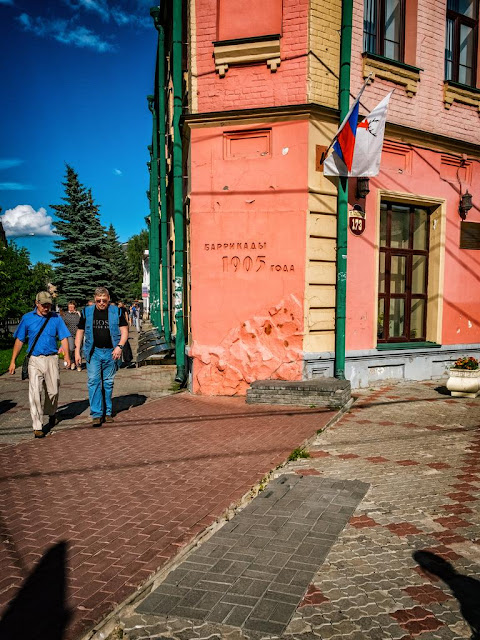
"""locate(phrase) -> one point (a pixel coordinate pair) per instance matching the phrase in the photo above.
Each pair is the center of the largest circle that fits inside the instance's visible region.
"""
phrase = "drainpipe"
(162, 169)
(342, 196)
(154, 237)
(178, 188)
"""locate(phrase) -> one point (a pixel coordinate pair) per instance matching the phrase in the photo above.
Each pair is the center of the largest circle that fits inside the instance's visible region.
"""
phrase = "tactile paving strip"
(255, 570)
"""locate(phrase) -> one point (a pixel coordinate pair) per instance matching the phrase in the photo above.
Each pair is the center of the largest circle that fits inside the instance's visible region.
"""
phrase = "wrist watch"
(120, 346)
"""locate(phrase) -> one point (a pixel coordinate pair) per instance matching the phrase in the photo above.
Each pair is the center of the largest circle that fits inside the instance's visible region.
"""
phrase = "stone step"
(321, 392)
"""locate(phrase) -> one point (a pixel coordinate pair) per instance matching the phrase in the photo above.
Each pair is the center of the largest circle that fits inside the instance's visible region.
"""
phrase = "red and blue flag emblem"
(344, 145)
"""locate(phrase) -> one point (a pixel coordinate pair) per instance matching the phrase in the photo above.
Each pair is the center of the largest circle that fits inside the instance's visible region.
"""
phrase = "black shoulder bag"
(27, 357)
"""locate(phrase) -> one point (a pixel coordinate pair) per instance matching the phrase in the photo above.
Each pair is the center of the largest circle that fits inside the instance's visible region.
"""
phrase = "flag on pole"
(344, 144)
(367, 146)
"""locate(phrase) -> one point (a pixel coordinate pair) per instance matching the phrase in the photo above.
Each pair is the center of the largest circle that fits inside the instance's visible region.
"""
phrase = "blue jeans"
(101, 372)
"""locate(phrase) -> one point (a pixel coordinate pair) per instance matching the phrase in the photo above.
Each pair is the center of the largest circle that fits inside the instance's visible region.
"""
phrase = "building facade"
(260, 106)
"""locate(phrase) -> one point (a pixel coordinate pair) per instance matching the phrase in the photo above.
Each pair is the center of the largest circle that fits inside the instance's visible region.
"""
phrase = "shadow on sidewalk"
(465, 589)
(39, 610)
(442, 391)
(120, 403)
(6, 405)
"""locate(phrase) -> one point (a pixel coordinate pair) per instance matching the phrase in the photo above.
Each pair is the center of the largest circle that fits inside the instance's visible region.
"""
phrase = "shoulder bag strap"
(38, 336)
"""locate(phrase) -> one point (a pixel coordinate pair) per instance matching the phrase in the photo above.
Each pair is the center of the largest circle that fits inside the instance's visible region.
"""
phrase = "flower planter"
(464, 383)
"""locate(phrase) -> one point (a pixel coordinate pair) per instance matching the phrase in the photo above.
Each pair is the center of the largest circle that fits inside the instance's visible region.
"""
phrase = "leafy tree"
(18, 295)
(41, 275)
(135, 248)
(117, 261)
(79, 249)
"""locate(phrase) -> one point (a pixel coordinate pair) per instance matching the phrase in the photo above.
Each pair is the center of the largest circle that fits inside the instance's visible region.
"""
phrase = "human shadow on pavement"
(120, 403)
(128, 401)
(465, 589)
(39, 611)
(72, 409)
(6, 405)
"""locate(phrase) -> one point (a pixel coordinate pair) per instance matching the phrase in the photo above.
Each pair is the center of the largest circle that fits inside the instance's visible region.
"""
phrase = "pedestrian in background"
(135, 313)
(42, 328)
(71, 318)
(106, 331)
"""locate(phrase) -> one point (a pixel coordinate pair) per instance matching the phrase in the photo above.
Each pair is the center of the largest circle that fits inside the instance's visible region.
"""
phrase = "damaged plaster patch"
(267, 346)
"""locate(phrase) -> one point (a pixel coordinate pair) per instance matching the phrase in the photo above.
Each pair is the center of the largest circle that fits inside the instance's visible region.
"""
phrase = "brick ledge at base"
(323, 392)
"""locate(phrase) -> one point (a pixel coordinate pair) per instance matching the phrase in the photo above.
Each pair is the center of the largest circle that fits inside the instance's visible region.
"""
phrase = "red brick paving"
(128, 496)
(362, 522)
(403, 529)
(452, 522)
(416, 620)
(313, 597)
(427, 593)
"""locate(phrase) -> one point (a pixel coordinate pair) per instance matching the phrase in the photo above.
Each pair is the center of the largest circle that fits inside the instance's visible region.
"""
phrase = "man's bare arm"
(78, 346)
(17, 347)
(66, 351)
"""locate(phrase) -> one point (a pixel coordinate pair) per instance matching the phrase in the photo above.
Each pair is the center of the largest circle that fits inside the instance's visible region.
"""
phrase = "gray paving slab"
(254, 572)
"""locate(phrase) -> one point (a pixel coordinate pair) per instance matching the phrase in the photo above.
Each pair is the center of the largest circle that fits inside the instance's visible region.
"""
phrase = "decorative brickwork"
(252, 85)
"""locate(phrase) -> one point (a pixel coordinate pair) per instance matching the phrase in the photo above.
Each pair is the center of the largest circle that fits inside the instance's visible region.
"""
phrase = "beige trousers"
(43, 388)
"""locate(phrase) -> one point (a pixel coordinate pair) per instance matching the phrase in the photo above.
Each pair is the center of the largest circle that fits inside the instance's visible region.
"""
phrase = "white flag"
(368, 146)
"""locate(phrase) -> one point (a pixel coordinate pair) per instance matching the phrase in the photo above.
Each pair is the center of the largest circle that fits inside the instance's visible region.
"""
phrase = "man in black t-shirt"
(106, 331)
(101, 329)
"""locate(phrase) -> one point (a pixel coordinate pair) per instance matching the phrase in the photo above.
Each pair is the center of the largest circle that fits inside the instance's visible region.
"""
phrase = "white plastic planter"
(464, 383)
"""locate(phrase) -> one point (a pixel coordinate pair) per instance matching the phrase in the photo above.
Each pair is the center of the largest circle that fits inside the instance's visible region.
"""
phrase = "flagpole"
(342, 196)
(357, 99)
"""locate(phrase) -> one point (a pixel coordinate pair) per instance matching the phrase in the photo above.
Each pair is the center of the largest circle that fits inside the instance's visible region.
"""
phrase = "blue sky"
(74, 79)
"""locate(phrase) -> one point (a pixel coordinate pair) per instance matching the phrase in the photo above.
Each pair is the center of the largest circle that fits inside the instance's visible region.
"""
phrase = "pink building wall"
(426, 109)
(251, 86)
(247, 239)
(461, 305)
(425, 176)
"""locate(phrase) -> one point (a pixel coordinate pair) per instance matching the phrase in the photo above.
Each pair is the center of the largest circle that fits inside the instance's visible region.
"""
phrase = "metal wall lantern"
(465, 204)
(363, 187)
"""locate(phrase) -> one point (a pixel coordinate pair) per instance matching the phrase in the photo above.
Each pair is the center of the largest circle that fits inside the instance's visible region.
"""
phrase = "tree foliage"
(135, 251)
(80, 248)
(20, 281)
(117, 261)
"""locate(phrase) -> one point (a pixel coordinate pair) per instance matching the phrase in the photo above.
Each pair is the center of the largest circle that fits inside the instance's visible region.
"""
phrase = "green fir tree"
(135, 251)
(80, 248)
(117, 261)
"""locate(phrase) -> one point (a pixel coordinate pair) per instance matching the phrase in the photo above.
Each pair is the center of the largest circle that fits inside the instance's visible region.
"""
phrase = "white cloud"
(25, 221)
(15, 186)
(117, 172)
(132, 13)
(64, 31)
(8, 163)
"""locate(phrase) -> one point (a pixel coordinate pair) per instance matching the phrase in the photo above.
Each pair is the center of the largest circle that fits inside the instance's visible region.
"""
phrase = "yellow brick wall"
(321, 246)
(324, 51)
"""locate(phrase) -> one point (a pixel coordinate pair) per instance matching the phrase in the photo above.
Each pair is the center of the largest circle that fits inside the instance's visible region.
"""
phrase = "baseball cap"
(43, 297)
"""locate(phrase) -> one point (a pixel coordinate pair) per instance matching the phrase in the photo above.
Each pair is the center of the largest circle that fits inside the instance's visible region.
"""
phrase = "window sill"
(460, 93)
(392, 346)
(397, 72)
(247, 51)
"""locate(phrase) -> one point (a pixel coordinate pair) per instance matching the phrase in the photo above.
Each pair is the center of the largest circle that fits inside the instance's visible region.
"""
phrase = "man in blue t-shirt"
(43, 365)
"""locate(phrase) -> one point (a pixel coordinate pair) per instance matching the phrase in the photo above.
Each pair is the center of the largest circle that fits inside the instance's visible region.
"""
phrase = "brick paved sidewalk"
(128, 496)
(419, 450)
(133, 387)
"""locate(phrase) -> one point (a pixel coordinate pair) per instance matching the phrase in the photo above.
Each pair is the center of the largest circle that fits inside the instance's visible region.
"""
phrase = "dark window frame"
(458, 20)
(378, 6)
(407, 295)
